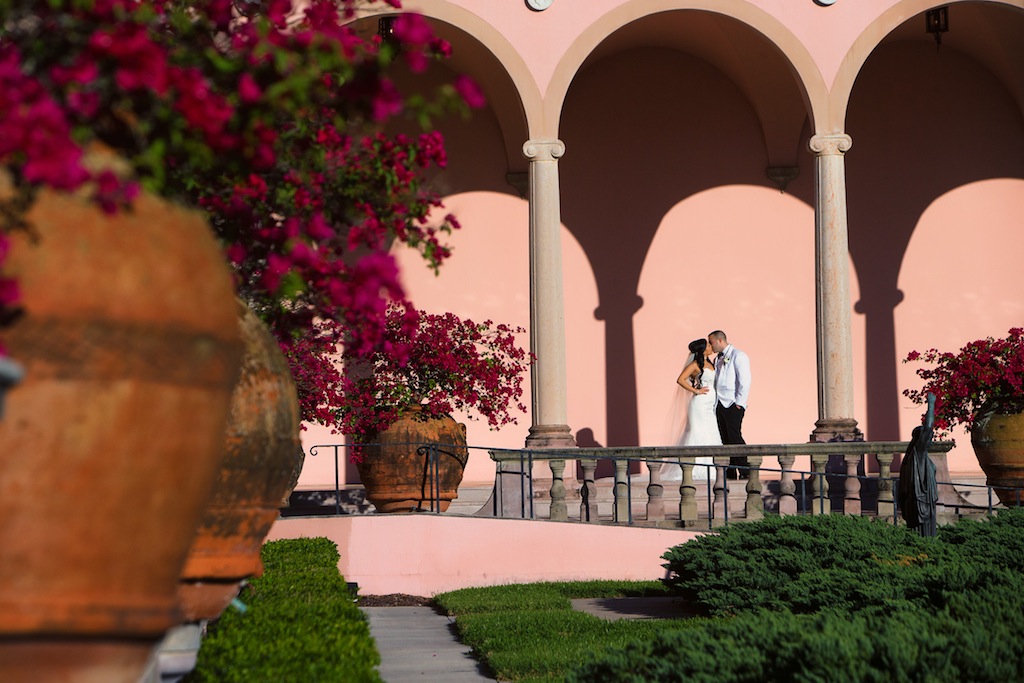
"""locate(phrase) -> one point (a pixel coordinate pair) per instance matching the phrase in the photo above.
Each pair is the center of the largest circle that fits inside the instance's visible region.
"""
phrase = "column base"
(836, 429)
(550, 436)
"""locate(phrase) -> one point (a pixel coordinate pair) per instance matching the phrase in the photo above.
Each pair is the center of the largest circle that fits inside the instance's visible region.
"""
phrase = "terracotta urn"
(397, 466)
(109, 445)
(263, 459)
(998, 441)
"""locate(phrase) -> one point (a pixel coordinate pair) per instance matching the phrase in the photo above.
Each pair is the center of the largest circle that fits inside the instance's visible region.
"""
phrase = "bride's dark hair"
(697, 348)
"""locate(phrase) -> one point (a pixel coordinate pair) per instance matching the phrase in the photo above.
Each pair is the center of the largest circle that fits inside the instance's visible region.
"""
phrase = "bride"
(698, 378)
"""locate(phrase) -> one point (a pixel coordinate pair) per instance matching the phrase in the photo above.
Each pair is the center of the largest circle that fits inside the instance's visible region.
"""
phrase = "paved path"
(613, 609)
(417, 644)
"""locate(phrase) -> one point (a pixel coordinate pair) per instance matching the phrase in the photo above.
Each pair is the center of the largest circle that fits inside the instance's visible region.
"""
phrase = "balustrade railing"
(836, 481)
(831, 464)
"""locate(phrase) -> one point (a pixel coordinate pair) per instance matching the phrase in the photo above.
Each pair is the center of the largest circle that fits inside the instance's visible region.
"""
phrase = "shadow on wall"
(605, 468)
(677, 140)
(907, 97)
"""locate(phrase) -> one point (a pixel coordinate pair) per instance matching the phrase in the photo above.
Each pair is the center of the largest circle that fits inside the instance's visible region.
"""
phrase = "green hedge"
(301, 624)
(785, 647)
(837, 598)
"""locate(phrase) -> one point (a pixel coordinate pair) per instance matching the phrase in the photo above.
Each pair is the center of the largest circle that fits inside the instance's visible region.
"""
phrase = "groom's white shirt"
(732, 377)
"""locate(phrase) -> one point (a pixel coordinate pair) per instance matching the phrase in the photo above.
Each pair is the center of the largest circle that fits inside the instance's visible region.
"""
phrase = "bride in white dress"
(698, 378)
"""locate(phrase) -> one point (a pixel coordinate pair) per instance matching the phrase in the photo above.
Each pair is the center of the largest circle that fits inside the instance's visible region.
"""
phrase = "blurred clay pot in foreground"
(110, 444)
(261, 466)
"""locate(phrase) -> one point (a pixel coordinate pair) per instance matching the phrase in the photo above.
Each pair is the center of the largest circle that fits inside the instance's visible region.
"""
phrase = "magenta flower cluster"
(985, 373)
(437, 361)
(269, 116)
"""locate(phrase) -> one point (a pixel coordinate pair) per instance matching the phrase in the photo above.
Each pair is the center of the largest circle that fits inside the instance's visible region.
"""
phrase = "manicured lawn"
(530, 632)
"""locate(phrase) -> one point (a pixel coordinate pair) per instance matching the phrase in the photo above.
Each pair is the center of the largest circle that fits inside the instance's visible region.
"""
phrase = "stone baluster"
(588, 492)
(559, 511)
(886, 506)
(820, 502)
(687, 494)
(721, 502)
(754, 508)
(851, 500)
(787, 486)
(655, 493)
(621, 492)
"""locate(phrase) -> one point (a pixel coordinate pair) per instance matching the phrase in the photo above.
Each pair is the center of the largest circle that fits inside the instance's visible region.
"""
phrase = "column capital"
(830, 145)
(543, 150)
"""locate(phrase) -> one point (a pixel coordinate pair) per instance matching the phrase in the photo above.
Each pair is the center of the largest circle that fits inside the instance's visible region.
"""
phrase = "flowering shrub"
(267, 116)
(987, 371)
(437, 361)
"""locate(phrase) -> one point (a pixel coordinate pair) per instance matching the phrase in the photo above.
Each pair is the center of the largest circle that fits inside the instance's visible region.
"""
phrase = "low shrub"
(840, 598)
(829, 646)
(802, 564)
(997, 540)
(300, 624)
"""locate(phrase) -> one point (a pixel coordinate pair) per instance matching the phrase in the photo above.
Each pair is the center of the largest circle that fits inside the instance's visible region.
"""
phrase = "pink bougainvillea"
(269, 117)
(986, 371)
(437, 361)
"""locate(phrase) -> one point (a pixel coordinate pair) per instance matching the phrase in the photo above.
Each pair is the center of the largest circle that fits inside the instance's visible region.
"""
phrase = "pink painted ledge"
(422, 554)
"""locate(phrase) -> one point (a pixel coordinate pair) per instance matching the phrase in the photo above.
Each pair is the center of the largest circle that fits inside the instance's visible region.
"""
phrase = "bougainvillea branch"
(437, 361)
(987, 371)
(268, 116)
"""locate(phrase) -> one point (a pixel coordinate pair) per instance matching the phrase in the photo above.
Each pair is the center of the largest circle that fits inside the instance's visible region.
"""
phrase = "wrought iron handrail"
(515, 473)
(431, 453)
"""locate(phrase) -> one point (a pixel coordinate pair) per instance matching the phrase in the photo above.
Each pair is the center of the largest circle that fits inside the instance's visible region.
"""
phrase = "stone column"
(550, 427)
(831, 268)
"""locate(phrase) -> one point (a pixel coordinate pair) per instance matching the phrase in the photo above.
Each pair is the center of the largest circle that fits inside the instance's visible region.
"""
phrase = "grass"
(530, 632)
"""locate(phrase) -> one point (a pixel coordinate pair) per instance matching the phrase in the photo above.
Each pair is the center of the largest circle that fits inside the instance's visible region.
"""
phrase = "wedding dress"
(702, 425)
(701, 420)
(701, 430)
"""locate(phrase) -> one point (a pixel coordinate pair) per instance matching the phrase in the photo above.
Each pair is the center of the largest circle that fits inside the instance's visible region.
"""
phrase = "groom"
(732, 382)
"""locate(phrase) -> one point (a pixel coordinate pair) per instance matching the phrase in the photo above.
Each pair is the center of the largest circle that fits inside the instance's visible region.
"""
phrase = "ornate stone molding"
(782, 175)
(830, 145)
(543, 150)
(519, 180)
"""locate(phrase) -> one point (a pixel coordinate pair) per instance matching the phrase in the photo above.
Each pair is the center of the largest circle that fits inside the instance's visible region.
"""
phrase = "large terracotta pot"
(262, 462)
(109, 446)
(998, 442)
(396, 466)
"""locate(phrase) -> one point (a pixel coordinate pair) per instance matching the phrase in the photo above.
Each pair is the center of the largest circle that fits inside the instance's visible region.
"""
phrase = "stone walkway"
(418, 644)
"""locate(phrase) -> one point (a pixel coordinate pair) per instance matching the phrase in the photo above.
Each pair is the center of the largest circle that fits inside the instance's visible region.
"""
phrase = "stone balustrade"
(838, 461)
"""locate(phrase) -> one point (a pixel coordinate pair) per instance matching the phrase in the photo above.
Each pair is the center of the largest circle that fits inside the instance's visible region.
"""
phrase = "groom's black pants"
(730, 425)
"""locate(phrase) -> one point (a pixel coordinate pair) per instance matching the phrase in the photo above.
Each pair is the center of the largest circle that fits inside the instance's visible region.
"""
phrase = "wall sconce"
(936, 22)
(386, 29)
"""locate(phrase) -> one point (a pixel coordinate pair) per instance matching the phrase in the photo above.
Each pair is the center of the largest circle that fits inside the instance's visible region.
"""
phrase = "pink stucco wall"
(666, 150)
(429, 554)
